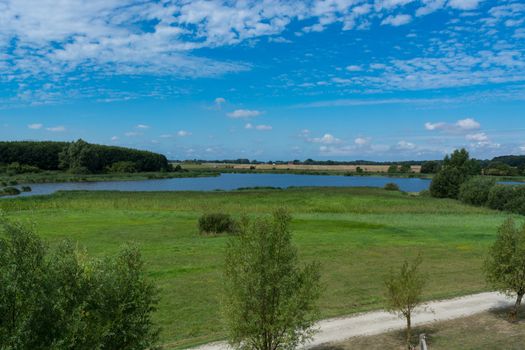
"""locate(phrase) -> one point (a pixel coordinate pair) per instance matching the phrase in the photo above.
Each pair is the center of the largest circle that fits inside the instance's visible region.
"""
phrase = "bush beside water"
(215, 223)
(391, 187)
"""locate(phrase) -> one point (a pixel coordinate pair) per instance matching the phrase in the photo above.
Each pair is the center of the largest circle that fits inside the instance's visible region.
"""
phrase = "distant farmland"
(349, 168)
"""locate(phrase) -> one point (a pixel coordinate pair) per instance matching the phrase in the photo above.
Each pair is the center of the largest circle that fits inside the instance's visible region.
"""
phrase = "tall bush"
(476, 190)
(61, 299)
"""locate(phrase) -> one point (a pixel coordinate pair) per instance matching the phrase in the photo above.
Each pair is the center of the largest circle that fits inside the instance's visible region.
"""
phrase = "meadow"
(357, 234)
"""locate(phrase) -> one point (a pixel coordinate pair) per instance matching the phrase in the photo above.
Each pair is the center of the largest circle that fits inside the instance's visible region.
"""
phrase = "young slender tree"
(505, 264)
(403, 292)
(270, 300)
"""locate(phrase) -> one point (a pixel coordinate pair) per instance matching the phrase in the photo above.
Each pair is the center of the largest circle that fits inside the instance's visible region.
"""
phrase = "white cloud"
(405, 145)
(219, 101)
(35, 126)
(58, 128)
(361, 141)
(434, 126)
(263, 127)
(243, 113)
(354, 68)
(166, 136)
(479, 137)
(132, 134)
(183, 133)
(260, 127)
(397, 20)
(462, 125)
(464, 4)
(468, 124)
(114, 138)
(142, 126)
(326, 139)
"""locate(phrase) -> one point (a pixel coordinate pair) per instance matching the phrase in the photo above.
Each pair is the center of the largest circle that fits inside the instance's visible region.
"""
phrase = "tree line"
(460, 178)
(78, 157)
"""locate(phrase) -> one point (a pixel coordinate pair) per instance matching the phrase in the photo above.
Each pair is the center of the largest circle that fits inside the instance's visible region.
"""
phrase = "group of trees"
(62, 299)
(271, 301)
(460, 178)
(397, 169)
(77, 157)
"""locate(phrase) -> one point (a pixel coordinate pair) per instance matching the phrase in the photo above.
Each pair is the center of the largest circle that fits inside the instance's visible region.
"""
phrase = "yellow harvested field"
(352, 168)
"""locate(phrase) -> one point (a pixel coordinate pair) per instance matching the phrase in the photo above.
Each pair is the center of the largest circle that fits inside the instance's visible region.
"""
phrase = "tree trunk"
(409, 331)
(516, 309)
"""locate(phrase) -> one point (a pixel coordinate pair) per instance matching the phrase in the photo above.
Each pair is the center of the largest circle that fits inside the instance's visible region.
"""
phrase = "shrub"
(214, 223)
(62, 299)
(498, 196)
(123, 167)
(446, 183)
(17, 168)
(391, 187)
(506, 197)
(26, 189)
(476, 190)
(11, 191)
(393, 169)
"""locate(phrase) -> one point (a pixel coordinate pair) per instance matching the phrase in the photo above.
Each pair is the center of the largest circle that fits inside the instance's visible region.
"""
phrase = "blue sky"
(274, 79)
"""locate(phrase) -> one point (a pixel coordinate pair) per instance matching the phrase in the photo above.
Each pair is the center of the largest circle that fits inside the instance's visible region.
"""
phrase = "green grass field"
(356, 233)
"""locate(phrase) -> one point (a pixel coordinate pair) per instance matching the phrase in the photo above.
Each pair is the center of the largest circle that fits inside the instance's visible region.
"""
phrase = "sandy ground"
(340, 329)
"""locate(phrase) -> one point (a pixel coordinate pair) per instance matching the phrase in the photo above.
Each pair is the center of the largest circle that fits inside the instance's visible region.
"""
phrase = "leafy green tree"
(405, 168)
(393, 169)
(505, 264)
(403, 292)
(430, 167)
(457, 168)
(61, 299)
(270, 301)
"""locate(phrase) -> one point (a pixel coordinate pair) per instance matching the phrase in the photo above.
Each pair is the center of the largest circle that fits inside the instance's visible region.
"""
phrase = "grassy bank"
(356, 233)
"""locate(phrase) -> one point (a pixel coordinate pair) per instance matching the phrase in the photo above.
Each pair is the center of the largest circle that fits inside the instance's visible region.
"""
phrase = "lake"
(228, 182)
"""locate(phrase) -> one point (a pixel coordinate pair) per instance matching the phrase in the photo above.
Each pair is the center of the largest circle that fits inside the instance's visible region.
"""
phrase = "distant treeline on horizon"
(79, 157)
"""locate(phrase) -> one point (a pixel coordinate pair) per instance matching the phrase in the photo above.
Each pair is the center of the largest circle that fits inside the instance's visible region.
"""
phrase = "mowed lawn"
(357, 234)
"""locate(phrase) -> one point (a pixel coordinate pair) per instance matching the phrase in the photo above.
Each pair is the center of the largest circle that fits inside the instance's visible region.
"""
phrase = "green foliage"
(60, 299)
(43, 155)
(214, 223)
(430, 167)
(123, 167)
(270, 301)
(500, 169)
(404, 290)
(476, 190)
(456, 169)
(26, 189)
(508, 198)
(17, 168)
(393, 169)
(77, 157)
(505, 264)
(10, 191)
(391, 187)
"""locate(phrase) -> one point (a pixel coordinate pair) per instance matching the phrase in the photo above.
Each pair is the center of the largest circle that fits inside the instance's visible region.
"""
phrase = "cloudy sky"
(269, 79)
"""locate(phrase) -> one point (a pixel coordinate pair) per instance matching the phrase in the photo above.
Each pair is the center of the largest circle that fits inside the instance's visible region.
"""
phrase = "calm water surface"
(231, 182)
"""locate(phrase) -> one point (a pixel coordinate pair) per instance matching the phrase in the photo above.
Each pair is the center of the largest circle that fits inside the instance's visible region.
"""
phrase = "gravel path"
(340, 329)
